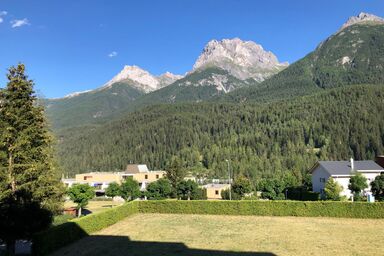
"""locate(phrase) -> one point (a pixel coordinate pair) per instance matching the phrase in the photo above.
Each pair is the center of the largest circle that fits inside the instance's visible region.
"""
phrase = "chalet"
(342, 171)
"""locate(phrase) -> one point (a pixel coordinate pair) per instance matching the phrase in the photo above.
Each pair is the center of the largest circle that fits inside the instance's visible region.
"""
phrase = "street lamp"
(229, 180)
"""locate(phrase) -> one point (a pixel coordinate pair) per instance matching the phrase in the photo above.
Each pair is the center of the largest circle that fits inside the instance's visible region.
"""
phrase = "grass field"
(165, 234)
(95, 206)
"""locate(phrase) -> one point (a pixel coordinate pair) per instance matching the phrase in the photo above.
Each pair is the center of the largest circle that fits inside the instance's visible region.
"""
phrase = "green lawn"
(166, 234)
(95, 206)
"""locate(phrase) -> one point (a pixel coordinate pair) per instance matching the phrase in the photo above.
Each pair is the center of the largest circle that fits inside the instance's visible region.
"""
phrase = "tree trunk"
(79, 212)
(10, 172)
(11, 247)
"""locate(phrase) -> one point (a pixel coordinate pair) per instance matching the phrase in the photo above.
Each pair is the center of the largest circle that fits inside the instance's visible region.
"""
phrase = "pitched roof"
(344, 167)
(136, 168)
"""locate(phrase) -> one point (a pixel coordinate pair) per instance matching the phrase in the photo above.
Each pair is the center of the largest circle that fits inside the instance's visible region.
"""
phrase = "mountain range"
(223, 66)
(238, 102)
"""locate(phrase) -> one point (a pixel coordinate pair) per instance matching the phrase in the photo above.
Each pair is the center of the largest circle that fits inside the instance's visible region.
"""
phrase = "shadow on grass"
(122, 245)
(70, 239)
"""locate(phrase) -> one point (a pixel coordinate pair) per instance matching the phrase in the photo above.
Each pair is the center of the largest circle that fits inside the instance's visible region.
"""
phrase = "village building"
(101, 180)
(214, 190)
(341, 172)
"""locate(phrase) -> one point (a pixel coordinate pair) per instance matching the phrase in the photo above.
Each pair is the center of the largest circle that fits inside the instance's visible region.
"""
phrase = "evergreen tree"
(175, 174)
(30, 190)
(332, 190)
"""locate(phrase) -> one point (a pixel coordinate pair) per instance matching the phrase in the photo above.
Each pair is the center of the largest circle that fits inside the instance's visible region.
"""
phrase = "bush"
(56, 237)
(101, 198)
(266, 208)
(60, 219)
(301, 194)
(225, 195)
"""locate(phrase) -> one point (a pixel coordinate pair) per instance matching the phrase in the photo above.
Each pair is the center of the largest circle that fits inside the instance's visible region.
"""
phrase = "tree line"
(261, 141)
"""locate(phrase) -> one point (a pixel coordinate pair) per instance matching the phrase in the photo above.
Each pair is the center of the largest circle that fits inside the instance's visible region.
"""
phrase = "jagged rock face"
(168, 78)
(142, 79)
(242, 59)
(361, 18)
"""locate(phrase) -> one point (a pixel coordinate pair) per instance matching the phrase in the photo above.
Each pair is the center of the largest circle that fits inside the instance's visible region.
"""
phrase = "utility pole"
(229, 180)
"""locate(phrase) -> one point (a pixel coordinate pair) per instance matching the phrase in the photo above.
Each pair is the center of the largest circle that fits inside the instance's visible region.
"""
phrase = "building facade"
(341, 172)
(214, 190)
(101, 180)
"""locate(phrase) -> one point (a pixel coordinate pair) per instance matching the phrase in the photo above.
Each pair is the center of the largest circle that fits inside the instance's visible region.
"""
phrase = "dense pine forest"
(259, 140)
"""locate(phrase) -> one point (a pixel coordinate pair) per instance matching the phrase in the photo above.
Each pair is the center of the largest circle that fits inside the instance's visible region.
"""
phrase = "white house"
(342, 171)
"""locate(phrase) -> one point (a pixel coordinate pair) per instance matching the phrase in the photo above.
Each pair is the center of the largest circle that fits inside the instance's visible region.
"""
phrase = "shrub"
(101, 198)
(301, 194)
(225, 195)
(56, 237)
(60, 219)
(52, 239)
(332, 190)
(266, 208)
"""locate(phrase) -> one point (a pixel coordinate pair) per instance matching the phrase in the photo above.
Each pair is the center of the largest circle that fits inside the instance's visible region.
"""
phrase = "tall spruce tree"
(175, 173)
(30, 191)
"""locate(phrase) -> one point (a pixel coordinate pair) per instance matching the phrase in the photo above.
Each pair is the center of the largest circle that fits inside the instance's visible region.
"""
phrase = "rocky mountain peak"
(142, 79)
(243, 59)
(362, 17)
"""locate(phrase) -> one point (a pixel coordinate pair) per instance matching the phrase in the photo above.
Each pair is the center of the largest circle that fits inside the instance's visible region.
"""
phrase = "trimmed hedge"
(267, 208)
(56, 237)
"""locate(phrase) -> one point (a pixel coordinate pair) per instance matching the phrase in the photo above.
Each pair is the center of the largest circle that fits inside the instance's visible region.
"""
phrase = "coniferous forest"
(259, 140)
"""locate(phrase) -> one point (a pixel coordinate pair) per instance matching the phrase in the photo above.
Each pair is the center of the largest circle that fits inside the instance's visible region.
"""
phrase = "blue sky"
(66, 44)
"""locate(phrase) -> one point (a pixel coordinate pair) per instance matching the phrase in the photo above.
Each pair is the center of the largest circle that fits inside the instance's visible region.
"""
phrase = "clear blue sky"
(65, 44)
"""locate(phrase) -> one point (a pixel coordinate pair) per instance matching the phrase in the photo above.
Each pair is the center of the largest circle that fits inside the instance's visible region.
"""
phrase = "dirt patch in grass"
(166, 234)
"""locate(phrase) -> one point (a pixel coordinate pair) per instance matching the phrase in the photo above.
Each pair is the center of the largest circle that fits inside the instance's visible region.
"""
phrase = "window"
(87, 177)
(322, 180)
(157, 176)
(216, 192)
(146, 176)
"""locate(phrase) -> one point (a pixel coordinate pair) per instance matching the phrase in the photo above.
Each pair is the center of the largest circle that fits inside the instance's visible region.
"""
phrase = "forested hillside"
(259, 140)
(354, 55)
(91, 107)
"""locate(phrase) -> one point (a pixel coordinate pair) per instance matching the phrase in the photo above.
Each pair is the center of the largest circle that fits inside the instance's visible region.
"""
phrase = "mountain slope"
(354, 55)
(103, 104)
(223, 66)
(260, 140)
(90, 107)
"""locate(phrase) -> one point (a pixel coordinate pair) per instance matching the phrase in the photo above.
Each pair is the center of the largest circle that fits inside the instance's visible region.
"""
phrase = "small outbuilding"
(214, 190)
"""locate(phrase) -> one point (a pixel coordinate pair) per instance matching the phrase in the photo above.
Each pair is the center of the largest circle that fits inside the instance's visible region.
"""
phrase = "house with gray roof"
(341, 172)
